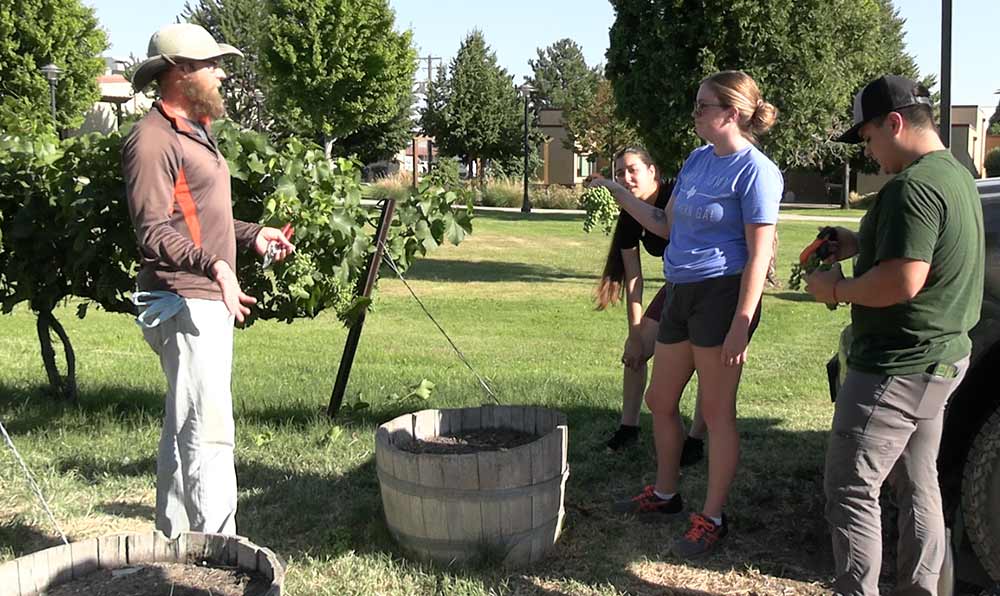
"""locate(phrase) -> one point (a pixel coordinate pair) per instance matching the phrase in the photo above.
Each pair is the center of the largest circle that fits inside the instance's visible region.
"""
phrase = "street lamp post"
(258, 101)
(52, 72)
(525, 91)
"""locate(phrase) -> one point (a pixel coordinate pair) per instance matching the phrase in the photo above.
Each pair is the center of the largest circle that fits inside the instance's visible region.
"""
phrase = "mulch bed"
(165, 579)
(472, 441)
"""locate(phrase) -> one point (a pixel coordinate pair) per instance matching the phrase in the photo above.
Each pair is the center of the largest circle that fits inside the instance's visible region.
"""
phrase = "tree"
(238, 23)
(474, 112)
(562, 78)
(335, 67)
(596, 126)
(33, 34)
(377, 142)
(808, 56)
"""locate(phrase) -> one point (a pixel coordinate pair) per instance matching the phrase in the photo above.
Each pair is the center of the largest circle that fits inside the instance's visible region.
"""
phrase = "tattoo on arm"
(659, 215)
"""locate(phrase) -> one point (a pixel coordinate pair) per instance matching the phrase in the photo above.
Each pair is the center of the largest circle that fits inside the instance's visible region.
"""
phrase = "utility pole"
(425, 87)
(430, 66)
(946, 72)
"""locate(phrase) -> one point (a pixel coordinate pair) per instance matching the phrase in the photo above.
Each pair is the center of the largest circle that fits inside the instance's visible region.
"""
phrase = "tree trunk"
(64, 387)
(327, 147)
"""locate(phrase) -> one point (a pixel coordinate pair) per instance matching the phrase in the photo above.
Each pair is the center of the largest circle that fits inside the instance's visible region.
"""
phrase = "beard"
(204, 97)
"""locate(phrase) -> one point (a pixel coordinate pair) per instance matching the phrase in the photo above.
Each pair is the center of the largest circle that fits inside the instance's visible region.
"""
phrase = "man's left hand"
(268, 235)
(820, 284)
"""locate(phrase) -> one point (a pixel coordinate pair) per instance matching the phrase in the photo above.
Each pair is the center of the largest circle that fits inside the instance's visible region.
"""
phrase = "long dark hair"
(610, 289)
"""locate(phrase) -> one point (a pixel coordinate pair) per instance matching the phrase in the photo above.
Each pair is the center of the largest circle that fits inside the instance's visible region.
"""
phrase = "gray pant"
(195, 472)
(887, 428)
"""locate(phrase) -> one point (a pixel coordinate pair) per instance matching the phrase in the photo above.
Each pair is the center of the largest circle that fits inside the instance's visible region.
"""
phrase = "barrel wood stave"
(504, 504)
(32, 574)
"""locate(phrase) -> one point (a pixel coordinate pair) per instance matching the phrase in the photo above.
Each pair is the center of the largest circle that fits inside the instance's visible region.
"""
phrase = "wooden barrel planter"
(47, 569)
(504, 505)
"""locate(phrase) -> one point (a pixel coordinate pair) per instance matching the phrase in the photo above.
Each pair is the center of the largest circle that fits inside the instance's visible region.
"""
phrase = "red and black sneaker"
(649, 506)
(701, 538)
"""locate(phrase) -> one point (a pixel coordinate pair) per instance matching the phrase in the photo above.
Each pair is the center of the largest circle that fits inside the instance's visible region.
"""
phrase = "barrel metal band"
(423, 543)
(467, 494)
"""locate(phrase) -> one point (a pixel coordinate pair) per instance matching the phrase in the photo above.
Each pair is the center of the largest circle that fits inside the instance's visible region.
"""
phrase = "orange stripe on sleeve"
(182, 194)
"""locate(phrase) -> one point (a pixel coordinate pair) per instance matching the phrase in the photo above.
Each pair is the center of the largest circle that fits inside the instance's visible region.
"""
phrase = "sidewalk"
(781, 217)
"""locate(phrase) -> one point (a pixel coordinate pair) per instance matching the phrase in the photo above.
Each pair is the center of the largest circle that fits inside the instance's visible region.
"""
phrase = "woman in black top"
(622, 278)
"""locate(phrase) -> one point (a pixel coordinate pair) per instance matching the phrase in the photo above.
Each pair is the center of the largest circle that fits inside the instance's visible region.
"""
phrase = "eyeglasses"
(209, 64)
(699, 107)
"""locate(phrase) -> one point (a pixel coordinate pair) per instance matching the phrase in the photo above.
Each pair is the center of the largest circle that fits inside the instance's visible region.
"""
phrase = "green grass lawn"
(516, 298)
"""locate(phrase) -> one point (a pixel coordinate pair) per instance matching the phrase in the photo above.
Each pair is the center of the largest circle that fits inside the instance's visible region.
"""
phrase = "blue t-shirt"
(715, 197)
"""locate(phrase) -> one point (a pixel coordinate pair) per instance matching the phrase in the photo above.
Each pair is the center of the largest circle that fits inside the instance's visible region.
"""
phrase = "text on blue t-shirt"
(715, 197)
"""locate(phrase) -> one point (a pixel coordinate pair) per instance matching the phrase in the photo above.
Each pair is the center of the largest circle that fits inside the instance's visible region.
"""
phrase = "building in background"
(561, 165)
(118, 100)
(969, 129)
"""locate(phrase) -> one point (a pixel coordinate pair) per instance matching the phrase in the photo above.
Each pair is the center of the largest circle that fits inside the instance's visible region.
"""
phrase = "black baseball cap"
(880, 97)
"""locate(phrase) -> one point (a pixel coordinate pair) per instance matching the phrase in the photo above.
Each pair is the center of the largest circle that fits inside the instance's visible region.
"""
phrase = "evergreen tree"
(562, 78)
(474, 112)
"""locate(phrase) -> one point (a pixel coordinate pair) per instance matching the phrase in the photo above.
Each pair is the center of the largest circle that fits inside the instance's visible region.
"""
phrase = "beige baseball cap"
(176, 43)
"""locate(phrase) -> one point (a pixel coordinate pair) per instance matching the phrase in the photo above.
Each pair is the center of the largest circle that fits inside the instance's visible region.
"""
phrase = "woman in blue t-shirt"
(622, 278)
(720, 222)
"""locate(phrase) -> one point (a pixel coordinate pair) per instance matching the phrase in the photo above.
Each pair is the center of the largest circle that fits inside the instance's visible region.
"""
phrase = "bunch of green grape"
(800, 270)
(602, 210)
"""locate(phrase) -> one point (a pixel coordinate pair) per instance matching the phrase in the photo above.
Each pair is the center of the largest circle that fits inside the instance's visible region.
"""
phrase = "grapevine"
(602, 210)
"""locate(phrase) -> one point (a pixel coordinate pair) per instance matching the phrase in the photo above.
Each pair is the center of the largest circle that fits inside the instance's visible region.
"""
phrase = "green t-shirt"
(930, 212)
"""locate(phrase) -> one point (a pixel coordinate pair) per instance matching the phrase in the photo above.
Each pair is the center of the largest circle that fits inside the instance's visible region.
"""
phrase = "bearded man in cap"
(178, 191)
(916, 292)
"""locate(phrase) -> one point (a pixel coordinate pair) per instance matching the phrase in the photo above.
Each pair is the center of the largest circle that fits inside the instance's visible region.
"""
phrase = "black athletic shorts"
(655, 309)
(702, 312)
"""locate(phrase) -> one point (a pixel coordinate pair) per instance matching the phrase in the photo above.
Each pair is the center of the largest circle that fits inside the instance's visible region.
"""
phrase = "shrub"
(555, 196)
(444, 173)
(394, 186)
(65, 229)
(501, 192)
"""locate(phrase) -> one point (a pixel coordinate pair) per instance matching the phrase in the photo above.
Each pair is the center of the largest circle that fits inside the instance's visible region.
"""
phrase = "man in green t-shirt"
(917, 290)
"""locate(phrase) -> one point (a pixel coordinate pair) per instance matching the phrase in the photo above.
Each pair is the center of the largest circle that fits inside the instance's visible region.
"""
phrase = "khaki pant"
(195, 471)
(887, 428)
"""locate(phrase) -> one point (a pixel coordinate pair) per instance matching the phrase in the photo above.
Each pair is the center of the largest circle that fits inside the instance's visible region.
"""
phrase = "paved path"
(797, 217)
(781, 216)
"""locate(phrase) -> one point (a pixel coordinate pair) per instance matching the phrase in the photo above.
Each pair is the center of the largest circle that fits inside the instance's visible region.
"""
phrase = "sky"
(516, 28)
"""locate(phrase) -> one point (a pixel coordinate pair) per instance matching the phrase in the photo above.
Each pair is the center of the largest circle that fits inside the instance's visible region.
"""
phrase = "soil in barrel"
(165, 579)
(471, 441)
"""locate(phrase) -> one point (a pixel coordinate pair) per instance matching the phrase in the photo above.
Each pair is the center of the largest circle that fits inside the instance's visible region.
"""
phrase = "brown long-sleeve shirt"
(179, 197)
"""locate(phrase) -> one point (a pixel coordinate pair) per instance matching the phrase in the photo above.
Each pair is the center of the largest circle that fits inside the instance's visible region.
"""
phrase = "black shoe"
(625, 436)
(648, 507)
(692, 452)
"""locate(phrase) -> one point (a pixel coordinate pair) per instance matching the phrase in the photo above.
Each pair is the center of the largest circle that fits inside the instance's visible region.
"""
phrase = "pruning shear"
(821, 247)
(272, 246)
